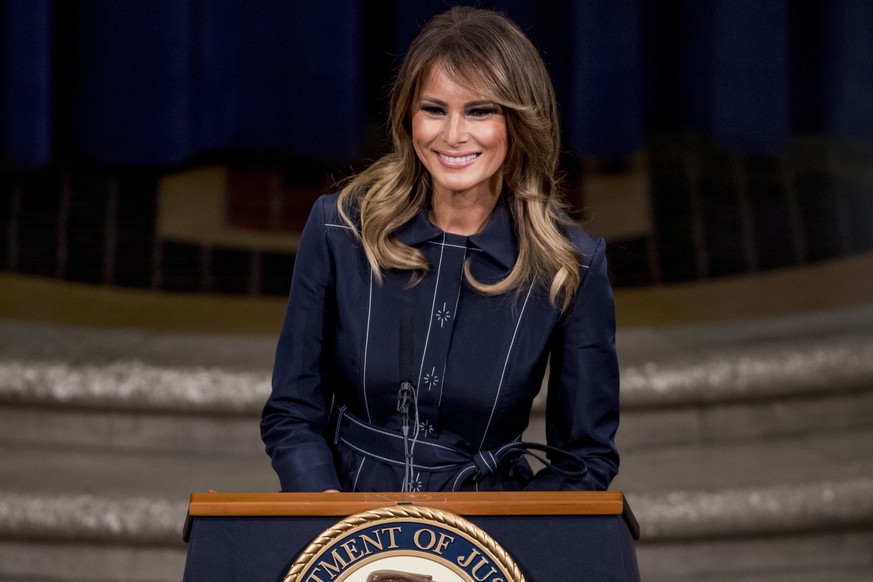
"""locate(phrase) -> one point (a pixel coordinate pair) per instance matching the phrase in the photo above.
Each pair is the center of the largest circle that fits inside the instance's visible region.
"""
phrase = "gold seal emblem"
(404, 543)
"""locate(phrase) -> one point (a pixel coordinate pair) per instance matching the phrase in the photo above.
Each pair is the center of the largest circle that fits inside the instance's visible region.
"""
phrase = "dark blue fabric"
(25, 81)
(133, 64)
(607, 90)
(848, 69)
(735, 82)
(545, 548)
(282, 76)
(479, 360)
(156, 82)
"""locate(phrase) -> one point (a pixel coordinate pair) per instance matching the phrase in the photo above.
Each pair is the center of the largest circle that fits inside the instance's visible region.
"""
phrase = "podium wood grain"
(461, 503)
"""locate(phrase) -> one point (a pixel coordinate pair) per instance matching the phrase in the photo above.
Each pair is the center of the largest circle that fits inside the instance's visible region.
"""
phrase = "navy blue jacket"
(479, 361)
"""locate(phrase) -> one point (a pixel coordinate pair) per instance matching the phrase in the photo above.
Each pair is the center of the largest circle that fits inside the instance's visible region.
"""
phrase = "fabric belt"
(387, 446)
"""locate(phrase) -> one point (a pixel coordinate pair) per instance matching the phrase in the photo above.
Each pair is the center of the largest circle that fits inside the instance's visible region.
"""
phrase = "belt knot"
(486, 464)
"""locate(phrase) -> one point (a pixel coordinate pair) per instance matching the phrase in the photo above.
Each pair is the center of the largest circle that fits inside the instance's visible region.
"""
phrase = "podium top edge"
(460, 503)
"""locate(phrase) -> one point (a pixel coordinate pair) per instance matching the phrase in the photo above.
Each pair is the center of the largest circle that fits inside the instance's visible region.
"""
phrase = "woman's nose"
(455, 129)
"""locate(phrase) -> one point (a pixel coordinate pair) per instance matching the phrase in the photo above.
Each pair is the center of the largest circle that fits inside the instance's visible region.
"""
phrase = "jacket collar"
(497, 240)
(418, 230)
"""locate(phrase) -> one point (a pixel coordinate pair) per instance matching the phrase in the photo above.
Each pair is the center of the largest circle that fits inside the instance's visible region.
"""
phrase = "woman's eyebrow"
(468, 104)
(479, 103)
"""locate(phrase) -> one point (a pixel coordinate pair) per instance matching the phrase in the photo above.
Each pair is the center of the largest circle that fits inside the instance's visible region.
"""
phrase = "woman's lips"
(456, 161)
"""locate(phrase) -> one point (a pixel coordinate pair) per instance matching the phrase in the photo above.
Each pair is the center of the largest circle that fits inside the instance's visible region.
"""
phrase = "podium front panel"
(547, 548)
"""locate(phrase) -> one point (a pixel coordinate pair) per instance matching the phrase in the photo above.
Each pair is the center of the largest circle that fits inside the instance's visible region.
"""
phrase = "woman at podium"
(431, 294)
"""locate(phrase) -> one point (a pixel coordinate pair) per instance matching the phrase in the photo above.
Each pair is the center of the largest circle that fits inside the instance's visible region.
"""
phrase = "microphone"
(406, 362)
(406, 394)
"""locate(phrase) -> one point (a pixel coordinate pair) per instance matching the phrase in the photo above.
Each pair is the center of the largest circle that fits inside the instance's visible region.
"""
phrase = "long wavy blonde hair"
(487, 53)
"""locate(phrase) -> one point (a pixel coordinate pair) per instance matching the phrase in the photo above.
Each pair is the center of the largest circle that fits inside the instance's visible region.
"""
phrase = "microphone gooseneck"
(406, 394)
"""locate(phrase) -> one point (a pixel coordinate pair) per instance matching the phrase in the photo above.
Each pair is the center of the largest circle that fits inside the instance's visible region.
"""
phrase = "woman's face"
(459, 136)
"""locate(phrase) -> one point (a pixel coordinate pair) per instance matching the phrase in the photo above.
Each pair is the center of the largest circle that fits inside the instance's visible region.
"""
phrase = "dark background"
(751, 121)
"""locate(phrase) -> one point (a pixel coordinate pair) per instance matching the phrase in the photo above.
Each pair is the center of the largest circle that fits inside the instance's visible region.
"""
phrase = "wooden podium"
(559, 536)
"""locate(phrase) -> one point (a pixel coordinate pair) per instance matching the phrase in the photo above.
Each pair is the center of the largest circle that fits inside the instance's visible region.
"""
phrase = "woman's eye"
(431, 109)
(481, 112)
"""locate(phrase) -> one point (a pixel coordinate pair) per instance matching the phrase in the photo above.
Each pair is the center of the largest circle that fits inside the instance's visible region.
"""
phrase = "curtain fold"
(736, 72)
(133, 88)
(156, 82)
(848, 69)
(25, 81)
(607, 80)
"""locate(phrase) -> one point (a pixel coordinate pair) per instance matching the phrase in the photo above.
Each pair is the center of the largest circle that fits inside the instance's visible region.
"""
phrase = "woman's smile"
(457, 160)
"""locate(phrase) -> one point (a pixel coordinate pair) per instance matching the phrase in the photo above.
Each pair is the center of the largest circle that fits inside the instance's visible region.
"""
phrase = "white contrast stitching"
(505, 366)
(358, 474)
(367, 348)
(345, 226)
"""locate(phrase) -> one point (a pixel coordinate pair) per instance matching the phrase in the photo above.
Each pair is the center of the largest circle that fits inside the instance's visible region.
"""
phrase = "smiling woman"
(429, 295)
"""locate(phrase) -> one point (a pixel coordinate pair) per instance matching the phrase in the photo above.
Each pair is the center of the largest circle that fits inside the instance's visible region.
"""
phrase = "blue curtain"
(607, 77)
(848, 74)
(138, 83)
(155, 82)
(735, 71)
(25, 81)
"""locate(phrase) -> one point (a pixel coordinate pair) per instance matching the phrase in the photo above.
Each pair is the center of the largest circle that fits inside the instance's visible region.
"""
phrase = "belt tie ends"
(486, 463)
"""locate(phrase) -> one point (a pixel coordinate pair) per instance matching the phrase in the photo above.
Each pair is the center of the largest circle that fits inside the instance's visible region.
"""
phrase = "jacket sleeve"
(295, 417)
(582, 409)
